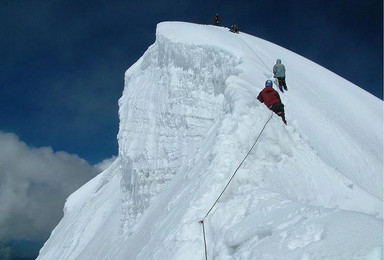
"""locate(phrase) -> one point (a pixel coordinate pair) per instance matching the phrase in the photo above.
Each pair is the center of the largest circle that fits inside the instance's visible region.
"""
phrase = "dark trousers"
(278, 108)
(281, 81)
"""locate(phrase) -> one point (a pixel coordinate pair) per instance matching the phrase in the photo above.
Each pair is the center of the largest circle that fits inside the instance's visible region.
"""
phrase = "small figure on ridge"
(234, 28)
(216, 19)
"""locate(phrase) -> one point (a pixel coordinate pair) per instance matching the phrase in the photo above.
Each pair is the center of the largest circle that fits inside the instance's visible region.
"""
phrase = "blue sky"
(63, 63)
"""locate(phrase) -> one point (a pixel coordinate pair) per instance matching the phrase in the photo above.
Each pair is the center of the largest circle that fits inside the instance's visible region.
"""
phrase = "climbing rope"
(268, 68)
(205, 241)
(233, 175)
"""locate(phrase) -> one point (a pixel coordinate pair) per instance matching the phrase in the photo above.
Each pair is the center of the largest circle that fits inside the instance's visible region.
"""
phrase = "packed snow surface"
(188, 116)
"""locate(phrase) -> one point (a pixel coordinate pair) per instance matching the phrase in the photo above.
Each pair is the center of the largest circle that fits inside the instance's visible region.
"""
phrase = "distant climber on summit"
(234, 28)
(271, 99)
(216, 19)
(279, 74)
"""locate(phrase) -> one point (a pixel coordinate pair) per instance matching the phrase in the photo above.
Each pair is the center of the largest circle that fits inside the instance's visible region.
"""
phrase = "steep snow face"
(188, 117)
(172, 96)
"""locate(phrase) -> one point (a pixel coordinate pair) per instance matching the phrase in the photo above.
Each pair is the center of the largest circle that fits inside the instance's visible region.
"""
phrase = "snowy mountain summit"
(188, 117)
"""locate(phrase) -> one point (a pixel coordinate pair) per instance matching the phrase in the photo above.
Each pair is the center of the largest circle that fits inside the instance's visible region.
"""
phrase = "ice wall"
(172, 96)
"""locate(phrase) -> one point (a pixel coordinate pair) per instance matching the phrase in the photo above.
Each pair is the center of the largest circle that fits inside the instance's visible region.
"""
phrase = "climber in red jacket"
(272, 100)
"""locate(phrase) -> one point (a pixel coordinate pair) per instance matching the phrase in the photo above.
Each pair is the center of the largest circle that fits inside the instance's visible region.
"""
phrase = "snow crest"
(188, 116)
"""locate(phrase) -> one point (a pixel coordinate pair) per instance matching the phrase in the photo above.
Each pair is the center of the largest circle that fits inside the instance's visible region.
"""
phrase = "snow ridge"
(188, 115)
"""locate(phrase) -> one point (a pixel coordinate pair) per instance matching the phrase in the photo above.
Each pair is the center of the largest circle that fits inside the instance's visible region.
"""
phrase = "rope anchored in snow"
(205, 242)
(233, 175)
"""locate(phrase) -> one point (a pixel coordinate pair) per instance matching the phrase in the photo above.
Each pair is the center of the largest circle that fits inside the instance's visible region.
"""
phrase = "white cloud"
(34, 183)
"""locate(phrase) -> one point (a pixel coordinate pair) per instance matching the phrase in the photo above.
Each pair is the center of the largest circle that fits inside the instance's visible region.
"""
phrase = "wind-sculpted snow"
(172, 97)
(188, 116)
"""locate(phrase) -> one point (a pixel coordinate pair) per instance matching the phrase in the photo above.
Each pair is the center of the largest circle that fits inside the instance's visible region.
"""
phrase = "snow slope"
(188, 116)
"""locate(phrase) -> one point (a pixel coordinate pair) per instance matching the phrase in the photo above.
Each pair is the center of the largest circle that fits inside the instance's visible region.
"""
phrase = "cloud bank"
(34, 183)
